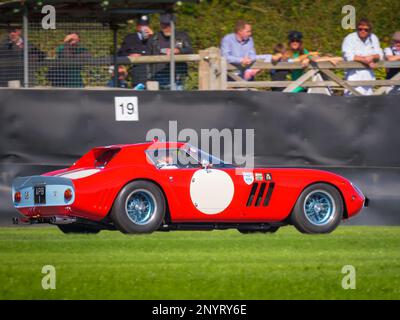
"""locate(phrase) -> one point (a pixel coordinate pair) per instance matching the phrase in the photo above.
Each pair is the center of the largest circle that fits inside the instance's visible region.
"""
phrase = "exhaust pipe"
(62, 220)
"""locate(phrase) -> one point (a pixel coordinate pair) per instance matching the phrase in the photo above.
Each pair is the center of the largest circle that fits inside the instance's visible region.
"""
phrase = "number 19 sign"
(126, 109)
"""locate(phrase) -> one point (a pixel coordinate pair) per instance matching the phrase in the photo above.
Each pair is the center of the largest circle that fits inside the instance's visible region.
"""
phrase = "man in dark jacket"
(138, 44)
(12, 57)
(160, 44)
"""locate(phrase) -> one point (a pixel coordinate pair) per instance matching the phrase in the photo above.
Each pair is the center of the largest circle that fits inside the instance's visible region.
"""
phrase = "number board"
(126, 109)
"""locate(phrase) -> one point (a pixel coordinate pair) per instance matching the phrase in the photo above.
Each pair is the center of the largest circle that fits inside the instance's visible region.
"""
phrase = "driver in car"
(166, 162)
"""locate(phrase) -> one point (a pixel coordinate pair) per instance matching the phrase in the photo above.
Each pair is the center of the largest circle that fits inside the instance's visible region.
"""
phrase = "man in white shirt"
(362, 46)
(392, 53)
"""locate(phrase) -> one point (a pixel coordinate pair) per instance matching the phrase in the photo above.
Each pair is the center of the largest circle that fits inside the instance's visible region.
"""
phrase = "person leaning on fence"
(138, 44)
(160, 45)
(11, 57)
(297, 53)
(281, 53)
(238, 49)
(362, 46)
(392, 53)
(71, 57)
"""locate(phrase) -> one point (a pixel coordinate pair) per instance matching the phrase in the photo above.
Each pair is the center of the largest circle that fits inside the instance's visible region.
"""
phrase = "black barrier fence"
(357, 137)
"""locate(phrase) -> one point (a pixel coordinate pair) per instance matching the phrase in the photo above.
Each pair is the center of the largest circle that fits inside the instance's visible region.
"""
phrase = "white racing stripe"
(79, 174)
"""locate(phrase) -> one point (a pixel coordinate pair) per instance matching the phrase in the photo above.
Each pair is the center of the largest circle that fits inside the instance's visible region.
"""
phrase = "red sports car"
(166, 186)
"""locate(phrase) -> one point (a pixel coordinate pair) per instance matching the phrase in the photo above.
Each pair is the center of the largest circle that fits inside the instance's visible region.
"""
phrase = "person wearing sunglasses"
(362, 46)
(392, 53)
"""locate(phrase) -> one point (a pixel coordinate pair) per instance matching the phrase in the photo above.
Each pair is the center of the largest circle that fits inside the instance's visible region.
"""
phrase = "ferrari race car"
(164, 186)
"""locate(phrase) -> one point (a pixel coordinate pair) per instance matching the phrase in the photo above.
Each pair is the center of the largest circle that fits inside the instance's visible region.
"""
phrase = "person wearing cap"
(298, 53)
(137, 44)
(362, 46)
(392, 53)
(160, 45)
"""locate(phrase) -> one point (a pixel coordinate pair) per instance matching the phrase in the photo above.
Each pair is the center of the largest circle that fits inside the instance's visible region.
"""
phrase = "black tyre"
(319, 209)
(247, 231)
(139, 208)
(78, 228)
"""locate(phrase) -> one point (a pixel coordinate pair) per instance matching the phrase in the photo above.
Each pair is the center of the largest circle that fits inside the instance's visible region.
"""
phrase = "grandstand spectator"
(392, 53)
(160, 44)
(362, 46)
(138, 44)
(72, 56)
(11, 56)
(122, 76)
(238, 49)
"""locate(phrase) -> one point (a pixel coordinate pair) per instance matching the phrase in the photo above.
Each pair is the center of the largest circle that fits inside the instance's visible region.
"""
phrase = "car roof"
(146, 145)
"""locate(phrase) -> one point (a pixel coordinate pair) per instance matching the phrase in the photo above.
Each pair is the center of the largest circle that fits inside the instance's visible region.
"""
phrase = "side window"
(172, 159)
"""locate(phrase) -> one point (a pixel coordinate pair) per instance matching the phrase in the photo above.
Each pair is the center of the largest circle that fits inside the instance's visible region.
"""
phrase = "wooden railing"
(214, 70)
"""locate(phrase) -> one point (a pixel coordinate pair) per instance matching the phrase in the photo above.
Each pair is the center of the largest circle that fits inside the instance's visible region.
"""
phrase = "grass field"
(200, 265)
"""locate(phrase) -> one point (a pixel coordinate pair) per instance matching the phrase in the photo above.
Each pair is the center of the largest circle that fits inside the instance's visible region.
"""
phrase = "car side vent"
(271, 187)
(260, 194)
(251, 195)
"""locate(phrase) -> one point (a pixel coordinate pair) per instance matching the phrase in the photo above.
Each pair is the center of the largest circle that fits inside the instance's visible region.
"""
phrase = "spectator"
(392, 53)
(160, 44)
(12, 54)
(122, 76)
(362, 46)
(281, 53)
(298, 53)
(238, 49)
(70, 52)
(138, 44)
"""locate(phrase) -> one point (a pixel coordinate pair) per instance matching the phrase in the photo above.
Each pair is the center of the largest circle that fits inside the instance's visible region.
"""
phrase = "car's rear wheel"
(319, 209)
(139, 208)
(78, 229)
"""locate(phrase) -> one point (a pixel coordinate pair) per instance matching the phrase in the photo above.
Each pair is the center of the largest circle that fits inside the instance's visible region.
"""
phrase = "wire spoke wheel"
(140, 206)
(319, 207)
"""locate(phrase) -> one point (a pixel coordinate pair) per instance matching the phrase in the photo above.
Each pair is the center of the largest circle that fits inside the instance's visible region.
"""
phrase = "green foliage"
(319, 20)
(208, 21)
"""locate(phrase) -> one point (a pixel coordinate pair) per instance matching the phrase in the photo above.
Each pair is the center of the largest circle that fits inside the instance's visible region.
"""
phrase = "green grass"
(200, 265)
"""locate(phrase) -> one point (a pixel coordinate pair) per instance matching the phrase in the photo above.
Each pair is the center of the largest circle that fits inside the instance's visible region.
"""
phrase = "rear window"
(104, 157)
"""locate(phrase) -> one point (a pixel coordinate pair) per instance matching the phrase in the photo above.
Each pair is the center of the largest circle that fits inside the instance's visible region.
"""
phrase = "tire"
(319, 209)
(270, 230)
(78, 229)
(139, 208)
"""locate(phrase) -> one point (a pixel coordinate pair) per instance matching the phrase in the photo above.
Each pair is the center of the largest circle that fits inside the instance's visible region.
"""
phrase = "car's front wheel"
(139, 208)
(319, 209)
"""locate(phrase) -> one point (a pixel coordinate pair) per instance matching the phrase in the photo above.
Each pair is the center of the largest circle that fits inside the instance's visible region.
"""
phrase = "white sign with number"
(126, 109)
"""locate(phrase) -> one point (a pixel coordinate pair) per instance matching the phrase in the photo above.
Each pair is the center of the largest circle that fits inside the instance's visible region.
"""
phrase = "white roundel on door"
(211, 190)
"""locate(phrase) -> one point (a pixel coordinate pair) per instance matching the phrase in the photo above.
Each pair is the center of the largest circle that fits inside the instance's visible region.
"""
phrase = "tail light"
(17, 197)
(68, 194)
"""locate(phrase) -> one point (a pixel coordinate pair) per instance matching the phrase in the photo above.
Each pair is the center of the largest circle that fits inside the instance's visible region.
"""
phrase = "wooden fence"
(214, 72)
